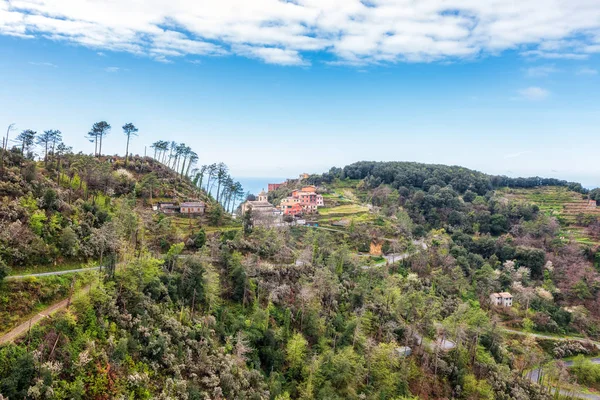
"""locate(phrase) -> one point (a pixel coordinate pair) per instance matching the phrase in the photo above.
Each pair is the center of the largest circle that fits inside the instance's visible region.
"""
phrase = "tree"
(56, 139)
(211, 170)
(200, 239)
(98, 131)
(129, 130)
(68, 242)
(4, 270)
(104, 240)
(26, 139)
(46, 140)
(247, 221)
(173, 255)
(172, 148)
(156, 147)
(222, 171)
(193, 159)
(296, 351)
(215, 215)
(200, 176)
(147, 184)
(61, 151)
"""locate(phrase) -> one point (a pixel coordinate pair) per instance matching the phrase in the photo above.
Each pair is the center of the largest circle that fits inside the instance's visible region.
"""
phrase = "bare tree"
(10, 128)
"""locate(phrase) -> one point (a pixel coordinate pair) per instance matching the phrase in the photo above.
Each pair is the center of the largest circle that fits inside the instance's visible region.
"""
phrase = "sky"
(274, 88)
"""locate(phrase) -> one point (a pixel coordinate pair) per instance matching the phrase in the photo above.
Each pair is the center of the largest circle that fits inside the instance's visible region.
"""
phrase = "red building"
(274, 186)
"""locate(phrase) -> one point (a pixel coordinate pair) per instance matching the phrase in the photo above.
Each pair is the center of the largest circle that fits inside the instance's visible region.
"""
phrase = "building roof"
(260, 204)
(192, 204)
(504, 294)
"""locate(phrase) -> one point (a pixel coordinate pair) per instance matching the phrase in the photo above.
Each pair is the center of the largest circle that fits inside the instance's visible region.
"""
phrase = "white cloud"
(43, 64)
(587, 71)
(271, 55)
(289, 32)
(541, 71)
(112, 69)
(534, 93)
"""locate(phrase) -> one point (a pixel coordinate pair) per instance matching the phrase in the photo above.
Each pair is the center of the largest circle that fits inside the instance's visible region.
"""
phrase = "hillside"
(77, 211)
(195, 310)
(574, 211)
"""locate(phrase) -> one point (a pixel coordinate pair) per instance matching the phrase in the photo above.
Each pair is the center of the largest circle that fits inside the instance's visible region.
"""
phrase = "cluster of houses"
(300, 202)
(187, 207)
(303, 201)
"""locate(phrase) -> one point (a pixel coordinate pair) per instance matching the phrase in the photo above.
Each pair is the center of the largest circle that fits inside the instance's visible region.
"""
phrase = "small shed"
(167, 207)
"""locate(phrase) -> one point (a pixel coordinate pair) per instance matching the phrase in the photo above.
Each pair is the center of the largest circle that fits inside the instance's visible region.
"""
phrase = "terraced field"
(569, 207)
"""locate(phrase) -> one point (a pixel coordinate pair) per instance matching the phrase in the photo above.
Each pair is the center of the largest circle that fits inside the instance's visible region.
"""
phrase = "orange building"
(292, 209)
(306, 198)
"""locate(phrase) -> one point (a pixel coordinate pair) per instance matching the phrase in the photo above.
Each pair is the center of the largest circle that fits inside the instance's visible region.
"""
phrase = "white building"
(503, 299)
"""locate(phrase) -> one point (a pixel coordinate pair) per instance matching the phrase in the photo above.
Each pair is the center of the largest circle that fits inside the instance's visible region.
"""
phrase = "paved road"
(24, 327)
(559, 338)
(534, 375)
(69, 271)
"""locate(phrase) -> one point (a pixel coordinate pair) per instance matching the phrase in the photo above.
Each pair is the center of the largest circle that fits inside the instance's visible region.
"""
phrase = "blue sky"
(283, 101)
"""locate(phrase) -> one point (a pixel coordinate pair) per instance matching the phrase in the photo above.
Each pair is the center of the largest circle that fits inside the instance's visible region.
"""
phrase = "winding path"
(22, 329)
(534, 376)
(68, 271)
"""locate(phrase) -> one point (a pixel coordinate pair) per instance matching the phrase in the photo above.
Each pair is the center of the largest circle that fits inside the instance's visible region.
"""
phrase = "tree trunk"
(183, 166)
(127, 152)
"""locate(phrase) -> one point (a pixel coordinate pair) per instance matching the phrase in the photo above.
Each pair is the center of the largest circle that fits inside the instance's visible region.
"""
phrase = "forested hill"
(423, 176)
(395, 303)
(74, 208)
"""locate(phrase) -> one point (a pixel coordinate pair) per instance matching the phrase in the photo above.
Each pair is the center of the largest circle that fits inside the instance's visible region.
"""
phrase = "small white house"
(503, 299)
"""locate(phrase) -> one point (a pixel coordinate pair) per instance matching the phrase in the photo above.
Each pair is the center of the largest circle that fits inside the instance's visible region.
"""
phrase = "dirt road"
(24, 327)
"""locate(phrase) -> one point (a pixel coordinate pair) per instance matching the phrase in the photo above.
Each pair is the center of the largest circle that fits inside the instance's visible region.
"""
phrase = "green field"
(567, 206)
(343, 210)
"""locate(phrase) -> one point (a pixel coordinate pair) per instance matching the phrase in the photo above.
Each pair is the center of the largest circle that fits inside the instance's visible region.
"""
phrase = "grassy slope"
(21, 299)
(561, 203)
(343, 203)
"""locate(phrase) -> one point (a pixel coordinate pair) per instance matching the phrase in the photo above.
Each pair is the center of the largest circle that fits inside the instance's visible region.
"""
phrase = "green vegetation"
(20, 299)
(578, 218)
(586, 372)
(207, 307)
(344, 209)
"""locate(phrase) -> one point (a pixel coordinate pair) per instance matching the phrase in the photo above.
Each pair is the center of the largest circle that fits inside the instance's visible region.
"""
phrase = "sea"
(255, 185)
